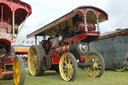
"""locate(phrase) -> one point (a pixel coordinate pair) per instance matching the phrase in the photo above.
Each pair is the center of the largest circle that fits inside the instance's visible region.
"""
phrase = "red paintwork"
(9, 7)
(21, 52)
(80, 26)
(65, 48)
(115, 33)
(83, 58)
(76, 38)
(7, 41)
(81, 36)
(15, 5)
(55, 58)
(9, 60)
(71, 14)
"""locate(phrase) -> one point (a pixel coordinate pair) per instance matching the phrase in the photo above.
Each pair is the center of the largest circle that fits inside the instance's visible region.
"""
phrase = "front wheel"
(98, 65)
(19, 71)
(68, 67)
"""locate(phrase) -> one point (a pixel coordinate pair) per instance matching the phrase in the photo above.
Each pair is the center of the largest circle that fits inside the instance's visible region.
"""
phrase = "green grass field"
(52, 78)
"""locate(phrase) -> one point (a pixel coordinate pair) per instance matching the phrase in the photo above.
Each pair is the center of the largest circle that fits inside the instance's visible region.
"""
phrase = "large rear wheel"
(98, 66)
(68, 67)
(35, 60)
(19, 71)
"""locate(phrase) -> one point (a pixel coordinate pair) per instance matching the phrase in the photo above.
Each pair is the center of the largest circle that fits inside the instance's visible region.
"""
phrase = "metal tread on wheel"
(19, 71)
(35, 60)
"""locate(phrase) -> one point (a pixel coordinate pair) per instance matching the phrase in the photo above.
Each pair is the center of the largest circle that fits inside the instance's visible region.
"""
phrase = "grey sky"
(45, 11)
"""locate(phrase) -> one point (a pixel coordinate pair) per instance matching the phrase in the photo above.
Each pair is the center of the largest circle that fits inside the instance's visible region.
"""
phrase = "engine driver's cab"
(79, 24)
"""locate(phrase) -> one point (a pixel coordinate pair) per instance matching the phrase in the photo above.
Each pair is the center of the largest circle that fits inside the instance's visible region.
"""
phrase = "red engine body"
(80, 26)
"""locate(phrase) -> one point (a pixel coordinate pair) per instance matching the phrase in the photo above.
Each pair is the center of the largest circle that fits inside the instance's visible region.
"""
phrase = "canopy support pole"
(35, 40)
(13, 23)
(85, 22)
(2, 13)
(22, 25)
(97, 20)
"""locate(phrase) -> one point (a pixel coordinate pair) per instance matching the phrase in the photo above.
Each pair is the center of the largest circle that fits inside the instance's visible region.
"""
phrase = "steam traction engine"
(12, 14)
(64, 46)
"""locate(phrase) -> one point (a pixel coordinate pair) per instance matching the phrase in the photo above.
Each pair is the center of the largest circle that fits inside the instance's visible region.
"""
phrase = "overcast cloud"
(45, 11)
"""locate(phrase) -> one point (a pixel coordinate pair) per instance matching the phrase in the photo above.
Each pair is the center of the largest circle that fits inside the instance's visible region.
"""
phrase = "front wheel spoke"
(90, 68)
(99, 62)
(69, 75)
(97, 58)
(96, 72)
(64, 69)
(71, 66)
(66, 73)
(69, 59)
(98, 69)
(92, 72)
(65, 61)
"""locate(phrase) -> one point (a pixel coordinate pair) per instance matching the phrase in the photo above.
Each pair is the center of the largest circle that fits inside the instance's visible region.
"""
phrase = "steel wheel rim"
(66, 67)
(94, 70)
(16, 69)
(32, 61)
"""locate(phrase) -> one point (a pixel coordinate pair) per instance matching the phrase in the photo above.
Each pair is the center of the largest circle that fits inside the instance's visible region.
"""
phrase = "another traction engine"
(12, 14)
